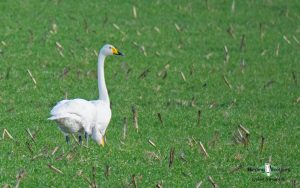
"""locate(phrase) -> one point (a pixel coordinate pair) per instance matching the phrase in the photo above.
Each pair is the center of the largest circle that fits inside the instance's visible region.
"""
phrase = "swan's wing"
(77, 109)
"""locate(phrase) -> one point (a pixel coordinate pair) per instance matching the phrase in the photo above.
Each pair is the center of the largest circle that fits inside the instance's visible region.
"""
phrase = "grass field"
(176, 65)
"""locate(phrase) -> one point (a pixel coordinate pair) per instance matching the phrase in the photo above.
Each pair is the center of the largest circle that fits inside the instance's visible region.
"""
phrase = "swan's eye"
(110, 47)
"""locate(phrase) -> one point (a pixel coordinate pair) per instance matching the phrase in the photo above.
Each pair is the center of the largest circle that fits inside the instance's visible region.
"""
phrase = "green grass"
(263, 96)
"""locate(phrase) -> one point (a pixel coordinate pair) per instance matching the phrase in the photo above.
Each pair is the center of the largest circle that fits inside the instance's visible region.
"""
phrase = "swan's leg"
(86, 136)
(68, 139)
(80, 139)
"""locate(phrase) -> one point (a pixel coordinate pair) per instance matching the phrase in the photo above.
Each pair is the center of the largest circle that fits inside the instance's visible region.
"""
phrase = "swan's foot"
(68, 140)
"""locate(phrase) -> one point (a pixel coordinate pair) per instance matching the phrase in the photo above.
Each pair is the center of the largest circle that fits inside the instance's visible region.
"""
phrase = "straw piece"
(31, 76)
(134, 12)
(53, 168)
(203, 150)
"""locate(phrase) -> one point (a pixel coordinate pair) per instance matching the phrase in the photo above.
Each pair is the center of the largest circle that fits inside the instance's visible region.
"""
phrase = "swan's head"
(98, 137)
(108, 49)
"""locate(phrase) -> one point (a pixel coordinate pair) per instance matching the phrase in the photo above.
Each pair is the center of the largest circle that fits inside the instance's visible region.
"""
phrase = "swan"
(87, 117)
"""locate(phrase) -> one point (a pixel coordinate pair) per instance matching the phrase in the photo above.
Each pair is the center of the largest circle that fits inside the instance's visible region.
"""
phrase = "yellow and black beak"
(101, 143)
(117, 52)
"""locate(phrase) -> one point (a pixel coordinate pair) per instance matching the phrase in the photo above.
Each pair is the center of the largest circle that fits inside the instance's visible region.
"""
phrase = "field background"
(56, 41)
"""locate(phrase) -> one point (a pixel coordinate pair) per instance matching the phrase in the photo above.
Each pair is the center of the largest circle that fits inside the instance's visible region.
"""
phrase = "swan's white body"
(82, 116)
(79, 116)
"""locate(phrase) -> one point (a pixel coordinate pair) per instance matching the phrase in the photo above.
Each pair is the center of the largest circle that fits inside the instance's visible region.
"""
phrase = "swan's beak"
(120, 53)
(102, 142)
(117, 52)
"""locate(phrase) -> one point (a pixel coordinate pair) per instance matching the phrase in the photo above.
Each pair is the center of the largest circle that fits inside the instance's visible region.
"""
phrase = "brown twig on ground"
(294, 183)
(107, 171)
(192, 69)
(6, 133)
(277, 49)
(199, 184)
(244, 129)
(54, 169)
(29, 147)
(226, 55)
(58, 45)
(203, 150)
(214, 185)
(296, 40)
(242, 44)
(31, 76)
(158, 185)
(171, 159)
(261, 30)
(19, 177)
(182, 156)
(294, 77)
(230, 31)
(214, 139)
(269, 83)
(70, 155)
(75, 139)
(135, 118)
(164, 72)
(37, 156)
(182, 76)
(193, 102)
(177, 27)
(6, 186)
(236, 168)
(227, 82)
(94, 177)
(125, 124)
(152, 143)
(134, 12)
(144, 73)
(31, 136)
(286, 39)
(242, 135)
(152, 155)
(116, 27)
(297, 100)
(262, 144)
(86, 26)
(243, 65)
(65, 72)
(156, 29)
(79, 173)
(199, 117)
(144, 50)
(54, 150)
(206, 4)
(233, 6)
(160, 118)
(134, 182)
(60, 157)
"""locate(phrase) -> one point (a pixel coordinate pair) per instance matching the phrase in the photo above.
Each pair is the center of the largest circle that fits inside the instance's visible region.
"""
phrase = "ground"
(234, 63)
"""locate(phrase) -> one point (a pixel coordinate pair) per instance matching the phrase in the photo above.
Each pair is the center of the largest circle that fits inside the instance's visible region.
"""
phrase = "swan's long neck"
(103, 93)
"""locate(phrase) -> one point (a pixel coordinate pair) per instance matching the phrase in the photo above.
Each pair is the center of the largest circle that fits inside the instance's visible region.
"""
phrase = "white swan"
(89, 117)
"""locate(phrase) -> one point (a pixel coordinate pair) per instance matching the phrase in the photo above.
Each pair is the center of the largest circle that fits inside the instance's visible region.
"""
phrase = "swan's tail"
(56, 117)
(52, 118)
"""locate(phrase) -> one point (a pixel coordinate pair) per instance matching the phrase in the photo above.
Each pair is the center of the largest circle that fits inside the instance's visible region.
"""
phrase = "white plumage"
(74, 115)
(82, 116)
